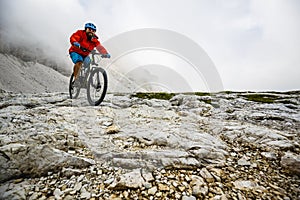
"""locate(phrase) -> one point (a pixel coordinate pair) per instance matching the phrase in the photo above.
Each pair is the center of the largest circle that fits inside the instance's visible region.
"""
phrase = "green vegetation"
(168, 96)
(228, 92)
(261, 98)
(154, 95)
(164, 95)
(232, 92)
(270, 97)
(202, 94)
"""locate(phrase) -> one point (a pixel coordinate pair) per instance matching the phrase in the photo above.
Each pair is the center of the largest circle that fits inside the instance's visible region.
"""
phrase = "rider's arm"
(75, 37)
(101, 48)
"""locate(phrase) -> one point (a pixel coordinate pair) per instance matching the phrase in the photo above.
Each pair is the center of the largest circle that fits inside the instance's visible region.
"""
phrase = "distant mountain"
(28, 68)
(21, 74)
(29, 77)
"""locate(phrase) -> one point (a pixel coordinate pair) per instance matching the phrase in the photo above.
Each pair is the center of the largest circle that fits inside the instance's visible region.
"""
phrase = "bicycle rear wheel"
(74, 89)
(97, 86)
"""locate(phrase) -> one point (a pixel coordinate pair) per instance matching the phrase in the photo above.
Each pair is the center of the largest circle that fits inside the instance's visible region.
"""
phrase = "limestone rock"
(131, 180)
(291, 161)
(225, 145)
(37, 160)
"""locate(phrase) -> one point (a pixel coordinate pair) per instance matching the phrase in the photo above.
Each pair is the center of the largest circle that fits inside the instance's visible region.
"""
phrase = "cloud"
(273, 57)
(254, 44)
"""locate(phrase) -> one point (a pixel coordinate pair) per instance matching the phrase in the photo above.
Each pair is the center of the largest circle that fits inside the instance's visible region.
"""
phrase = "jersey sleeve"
(100, 48)
(75, 37)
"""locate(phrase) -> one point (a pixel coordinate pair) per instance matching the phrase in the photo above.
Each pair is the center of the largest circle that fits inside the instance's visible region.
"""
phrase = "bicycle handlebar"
(93, 53)
(87, 50)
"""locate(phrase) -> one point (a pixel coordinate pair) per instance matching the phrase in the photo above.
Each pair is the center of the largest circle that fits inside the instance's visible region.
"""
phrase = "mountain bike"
(92, 78)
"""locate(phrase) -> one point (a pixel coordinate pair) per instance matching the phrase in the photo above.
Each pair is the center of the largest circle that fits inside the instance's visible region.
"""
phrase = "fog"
(253, 44)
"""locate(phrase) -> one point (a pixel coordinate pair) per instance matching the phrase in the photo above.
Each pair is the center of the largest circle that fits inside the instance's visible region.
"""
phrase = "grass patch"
(261, 98)
(165, 96)
(255, 97)
(202, 94)
(154, 95)
(168, 96)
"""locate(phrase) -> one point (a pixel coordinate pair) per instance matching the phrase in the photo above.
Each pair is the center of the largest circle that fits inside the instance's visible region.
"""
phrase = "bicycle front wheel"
(97, 86)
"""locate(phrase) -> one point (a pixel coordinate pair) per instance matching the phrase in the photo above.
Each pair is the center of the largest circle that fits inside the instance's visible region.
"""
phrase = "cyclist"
(83, 41)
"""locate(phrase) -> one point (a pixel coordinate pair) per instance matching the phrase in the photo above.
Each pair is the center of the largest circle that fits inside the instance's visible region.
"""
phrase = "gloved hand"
(76, 44)
(105, 55)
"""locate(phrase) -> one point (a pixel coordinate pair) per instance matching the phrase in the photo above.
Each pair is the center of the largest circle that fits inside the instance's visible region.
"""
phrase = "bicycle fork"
(97, 85)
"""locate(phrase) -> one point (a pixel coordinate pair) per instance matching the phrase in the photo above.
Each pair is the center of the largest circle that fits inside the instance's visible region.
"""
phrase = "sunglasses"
(93, 30)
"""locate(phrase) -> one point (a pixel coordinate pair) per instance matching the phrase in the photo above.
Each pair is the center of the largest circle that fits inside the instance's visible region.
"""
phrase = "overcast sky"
(254, 44)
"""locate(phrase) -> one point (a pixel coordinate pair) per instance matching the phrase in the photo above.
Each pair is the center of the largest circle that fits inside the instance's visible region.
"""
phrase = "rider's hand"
(76, 44)
(105, 55)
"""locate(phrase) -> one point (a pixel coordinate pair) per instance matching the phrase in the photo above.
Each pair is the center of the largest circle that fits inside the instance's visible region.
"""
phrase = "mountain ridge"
(29, 77)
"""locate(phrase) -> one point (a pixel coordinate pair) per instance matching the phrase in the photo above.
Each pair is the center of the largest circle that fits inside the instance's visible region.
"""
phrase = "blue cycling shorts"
(79, 58)
(76, 57)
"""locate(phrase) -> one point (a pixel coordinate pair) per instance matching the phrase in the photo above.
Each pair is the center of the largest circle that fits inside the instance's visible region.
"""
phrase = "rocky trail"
(228, 145)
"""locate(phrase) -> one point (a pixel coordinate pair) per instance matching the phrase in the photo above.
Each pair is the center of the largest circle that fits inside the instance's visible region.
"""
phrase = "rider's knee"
(87, 61)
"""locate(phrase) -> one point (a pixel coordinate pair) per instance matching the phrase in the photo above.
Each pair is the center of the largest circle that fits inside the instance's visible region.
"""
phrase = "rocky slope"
(29, 77)
(150, 146)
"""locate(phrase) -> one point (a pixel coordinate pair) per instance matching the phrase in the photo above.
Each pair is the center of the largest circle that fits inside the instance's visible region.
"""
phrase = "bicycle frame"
(87, 69)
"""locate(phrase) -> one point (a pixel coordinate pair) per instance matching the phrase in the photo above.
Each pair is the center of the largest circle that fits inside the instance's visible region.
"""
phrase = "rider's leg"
(76, 69)
(77, 60)
(86, 61)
